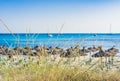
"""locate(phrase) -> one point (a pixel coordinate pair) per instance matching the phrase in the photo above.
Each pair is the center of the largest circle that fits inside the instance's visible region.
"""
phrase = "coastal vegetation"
(49, 64)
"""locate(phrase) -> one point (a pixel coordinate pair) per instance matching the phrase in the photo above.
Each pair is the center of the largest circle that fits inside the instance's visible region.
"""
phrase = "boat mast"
(110, 28)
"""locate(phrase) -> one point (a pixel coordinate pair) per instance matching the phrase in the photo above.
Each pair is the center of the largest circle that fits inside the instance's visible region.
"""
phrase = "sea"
(63, 40)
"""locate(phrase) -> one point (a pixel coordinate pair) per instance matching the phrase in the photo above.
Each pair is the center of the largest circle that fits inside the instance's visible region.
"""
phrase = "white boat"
(50, 35)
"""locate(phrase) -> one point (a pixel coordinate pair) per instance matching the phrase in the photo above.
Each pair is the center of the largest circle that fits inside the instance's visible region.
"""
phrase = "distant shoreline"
(65, 33)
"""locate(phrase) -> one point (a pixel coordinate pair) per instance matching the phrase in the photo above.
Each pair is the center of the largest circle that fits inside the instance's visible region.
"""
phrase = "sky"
(48, 16)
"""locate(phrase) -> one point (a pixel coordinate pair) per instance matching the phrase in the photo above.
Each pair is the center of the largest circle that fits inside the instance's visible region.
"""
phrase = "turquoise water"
(62, 40)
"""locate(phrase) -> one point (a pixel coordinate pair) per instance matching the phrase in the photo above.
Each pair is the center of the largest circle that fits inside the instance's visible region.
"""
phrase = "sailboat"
(49, 34)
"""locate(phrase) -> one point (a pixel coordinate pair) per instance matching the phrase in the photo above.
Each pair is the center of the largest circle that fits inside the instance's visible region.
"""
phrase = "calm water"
(61, 40)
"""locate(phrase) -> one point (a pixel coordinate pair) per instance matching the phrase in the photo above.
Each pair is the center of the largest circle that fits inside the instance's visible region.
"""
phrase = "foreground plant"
(59, 69)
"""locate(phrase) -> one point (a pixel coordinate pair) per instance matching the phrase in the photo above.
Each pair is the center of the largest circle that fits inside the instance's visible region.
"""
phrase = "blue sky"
(83, 16)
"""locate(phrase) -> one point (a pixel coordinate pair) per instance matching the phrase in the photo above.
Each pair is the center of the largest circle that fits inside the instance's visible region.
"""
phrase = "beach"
(61, 60)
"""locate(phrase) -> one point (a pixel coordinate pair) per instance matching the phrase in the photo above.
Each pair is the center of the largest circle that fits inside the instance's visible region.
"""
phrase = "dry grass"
(59, 69)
